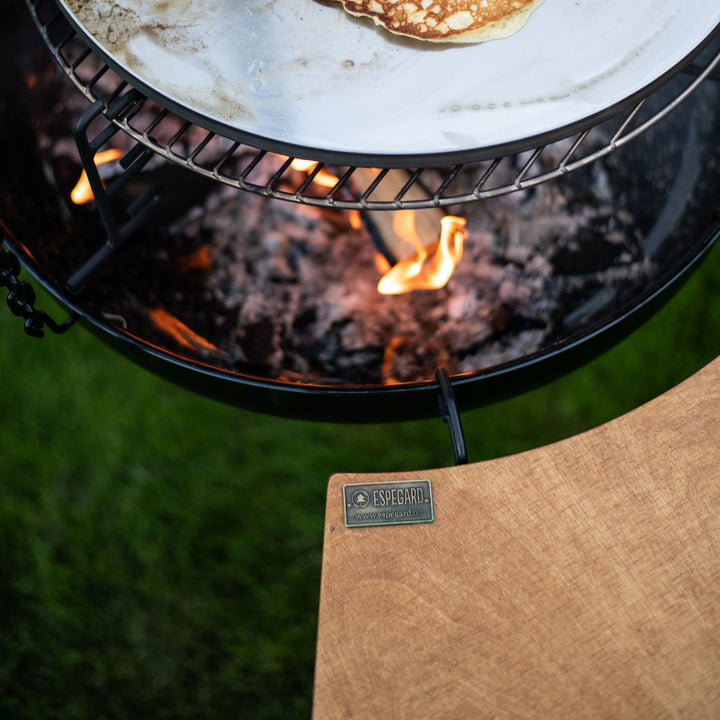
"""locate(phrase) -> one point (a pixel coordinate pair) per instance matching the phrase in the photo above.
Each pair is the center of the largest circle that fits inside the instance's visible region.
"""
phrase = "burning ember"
(181, 333)
(82, 192)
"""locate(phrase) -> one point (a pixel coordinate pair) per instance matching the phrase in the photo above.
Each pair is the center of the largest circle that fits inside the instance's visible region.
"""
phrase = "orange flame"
(326, 180)
(180, 332)
(426, 271)
(323, 178)
(355, 219)
(382, 264)
(82, 193)
(386, 367)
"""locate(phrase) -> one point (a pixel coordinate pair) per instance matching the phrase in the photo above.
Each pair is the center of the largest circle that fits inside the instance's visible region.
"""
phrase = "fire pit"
(180, 253)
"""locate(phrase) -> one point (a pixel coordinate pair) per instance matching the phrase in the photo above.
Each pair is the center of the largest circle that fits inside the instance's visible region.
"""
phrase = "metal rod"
(137, 213)
(449, 413)
(87, 151)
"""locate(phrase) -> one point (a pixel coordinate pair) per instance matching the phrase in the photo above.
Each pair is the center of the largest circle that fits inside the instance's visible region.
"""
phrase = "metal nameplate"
(388, 503)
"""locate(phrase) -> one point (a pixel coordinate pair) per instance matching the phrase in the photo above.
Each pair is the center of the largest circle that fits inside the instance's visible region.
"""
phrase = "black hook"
(449, 413)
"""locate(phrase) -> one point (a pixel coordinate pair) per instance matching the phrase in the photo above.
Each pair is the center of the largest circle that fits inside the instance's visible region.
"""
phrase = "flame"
(355, 219)
(386, 368)
(82, 193)
(180, 332)
(382, 264)
(326, 180)
(323, 178)
(426, 271)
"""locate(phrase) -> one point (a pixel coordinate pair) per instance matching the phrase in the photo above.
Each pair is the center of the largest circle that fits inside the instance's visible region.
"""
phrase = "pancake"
(458, 21)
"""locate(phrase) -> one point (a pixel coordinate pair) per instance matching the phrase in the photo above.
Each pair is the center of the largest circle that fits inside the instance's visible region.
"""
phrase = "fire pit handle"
(450, 414)
(21, 298)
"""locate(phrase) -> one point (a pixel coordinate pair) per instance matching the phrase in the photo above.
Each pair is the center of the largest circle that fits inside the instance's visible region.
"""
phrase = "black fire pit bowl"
(670, 179)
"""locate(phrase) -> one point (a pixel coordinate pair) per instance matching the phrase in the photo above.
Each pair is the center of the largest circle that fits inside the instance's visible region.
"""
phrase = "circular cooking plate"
(304, 78)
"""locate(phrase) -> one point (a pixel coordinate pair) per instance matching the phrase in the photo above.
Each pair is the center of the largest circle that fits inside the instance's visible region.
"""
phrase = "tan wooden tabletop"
(577, 580)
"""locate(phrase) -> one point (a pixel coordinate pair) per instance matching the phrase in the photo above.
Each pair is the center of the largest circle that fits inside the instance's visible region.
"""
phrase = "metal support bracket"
(449, 413)
(119, 224)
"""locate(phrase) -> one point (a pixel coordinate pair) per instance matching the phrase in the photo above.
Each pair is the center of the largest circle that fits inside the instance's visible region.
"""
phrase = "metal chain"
(21, 298)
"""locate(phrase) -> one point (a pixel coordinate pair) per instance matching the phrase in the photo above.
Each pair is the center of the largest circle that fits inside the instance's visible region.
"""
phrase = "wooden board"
(578, 580)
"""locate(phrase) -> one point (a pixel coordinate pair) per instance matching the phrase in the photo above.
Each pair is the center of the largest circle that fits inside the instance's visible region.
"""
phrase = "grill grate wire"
(269, 174)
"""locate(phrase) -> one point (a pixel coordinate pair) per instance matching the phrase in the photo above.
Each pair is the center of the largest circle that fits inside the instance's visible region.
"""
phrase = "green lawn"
(161, 552)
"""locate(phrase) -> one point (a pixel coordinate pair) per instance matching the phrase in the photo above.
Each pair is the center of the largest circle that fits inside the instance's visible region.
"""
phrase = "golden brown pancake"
(459, 21)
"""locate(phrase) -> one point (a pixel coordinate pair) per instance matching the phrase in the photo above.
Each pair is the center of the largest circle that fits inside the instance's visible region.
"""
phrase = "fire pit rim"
(380, 403)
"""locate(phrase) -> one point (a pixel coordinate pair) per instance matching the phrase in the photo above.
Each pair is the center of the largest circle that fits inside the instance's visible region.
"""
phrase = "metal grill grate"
(266, 173)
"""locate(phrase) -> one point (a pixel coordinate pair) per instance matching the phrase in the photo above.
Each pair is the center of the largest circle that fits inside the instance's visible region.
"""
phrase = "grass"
(161, 552)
